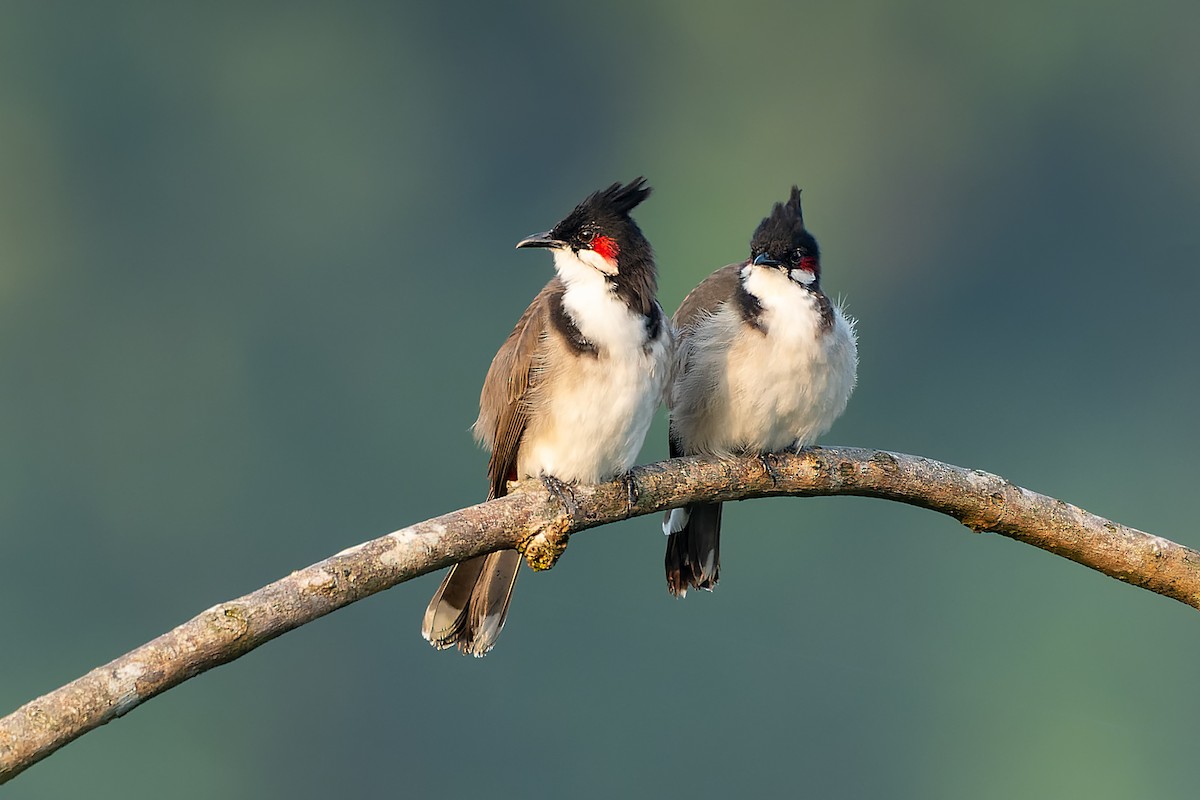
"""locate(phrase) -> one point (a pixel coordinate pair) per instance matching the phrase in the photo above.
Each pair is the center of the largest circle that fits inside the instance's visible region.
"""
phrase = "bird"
(570, 395)
(765, 363)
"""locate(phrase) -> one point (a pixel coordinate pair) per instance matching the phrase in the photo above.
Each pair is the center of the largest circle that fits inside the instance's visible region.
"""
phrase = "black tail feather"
(693, 558)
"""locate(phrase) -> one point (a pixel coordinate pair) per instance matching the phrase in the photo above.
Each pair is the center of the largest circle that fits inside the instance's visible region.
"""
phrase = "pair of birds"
(757, 359)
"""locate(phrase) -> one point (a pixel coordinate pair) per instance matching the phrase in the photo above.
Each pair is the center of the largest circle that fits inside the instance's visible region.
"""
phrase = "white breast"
(596, 409)
(743, 390)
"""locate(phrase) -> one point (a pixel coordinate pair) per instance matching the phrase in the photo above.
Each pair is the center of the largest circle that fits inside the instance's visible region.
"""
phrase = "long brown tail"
(469, 608)
(693, 557)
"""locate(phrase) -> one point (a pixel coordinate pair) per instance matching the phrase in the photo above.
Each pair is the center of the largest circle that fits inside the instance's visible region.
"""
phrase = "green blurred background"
(226, 236)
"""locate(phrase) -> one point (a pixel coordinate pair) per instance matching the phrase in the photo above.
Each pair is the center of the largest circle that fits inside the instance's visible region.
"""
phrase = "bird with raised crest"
(765, 362)
(570, 395)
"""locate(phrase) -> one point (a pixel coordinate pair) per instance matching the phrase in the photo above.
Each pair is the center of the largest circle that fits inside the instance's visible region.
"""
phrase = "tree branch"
(532, 521)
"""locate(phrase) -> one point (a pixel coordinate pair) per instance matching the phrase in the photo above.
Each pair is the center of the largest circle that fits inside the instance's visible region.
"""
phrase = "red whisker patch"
(808, 263)
(607, 247)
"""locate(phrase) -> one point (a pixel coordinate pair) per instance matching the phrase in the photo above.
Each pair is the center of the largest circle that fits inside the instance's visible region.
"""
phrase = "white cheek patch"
(803, 276)
(598, 262)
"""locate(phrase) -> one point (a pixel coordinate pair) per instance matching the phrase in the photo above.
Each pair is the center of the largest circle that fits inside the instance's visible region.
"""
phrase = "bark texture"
(531, 520)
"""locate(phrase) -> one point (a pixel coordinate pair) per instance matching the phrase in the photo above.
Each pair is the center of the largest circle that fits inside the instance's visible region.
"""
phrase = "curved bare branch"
(531, 520)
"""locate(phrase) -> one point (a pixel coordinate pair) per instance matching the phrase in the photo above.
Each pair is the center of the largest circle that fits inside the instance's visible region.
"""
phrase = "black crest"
(606, 210)
(617, 199)
(782, 231)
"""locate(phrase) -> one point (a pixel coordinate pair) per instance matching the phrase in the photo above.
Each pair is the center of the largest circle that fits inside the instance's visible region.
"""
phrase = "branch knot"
(547, 543)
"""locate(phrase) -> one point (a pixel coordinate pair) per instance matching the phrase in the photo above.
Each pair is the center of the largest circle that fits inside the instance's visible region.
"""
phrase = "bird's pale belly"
(767, 393)
(598, 420)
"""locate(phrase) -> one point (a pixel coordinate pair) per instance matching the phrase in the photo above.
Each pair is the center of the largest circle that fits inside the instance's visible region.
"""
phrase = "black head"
(600, 223)
(602, 234)
(781, 240)
(604, 215)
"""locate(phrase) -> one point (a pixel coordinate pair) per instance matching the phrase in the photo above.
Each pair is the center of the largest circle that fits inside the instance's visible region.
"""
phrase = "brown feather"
(469, 608)
(507, 396)
(446, 615)
(489, 602)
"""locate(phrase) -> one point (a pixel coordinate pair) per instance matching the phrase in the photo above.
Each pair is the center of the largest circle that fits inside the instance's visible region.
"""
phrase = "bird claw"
(631, 492)
(770, 463)
(562, 492)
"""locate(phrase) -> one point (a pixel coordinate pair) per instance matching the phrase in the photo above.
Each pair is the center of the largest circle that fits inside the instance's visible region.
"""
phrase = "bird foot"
(631, 492)
(770, 465)
(561, 490)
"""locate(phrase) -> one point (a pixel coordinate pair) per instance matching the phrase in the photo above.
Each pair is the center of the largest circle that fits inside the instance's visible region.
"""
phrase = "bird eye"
(586, 235)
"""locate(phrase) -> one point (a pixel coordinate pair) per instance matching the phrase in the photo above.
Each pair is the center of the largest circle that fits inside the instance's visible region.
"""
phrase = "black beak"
(762, 260)
(542, 240)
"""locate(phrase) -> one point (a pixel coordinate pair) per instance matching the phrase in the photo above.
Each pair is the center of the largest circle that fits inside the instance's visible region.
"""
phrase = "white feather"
(676, 521)
(599, 408)
(592, 259)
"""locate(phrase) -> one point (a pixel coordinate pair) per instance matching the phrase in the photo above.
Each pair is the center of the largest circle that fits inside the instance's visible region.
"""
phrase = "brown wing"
(717, 288)
(469, 608)
(504, 403)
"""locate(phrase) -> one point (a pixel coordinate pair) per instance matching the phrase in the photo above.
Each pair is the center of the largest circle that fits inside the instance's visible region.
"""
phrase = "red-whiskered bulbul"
(765, 362)
(569, 396)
